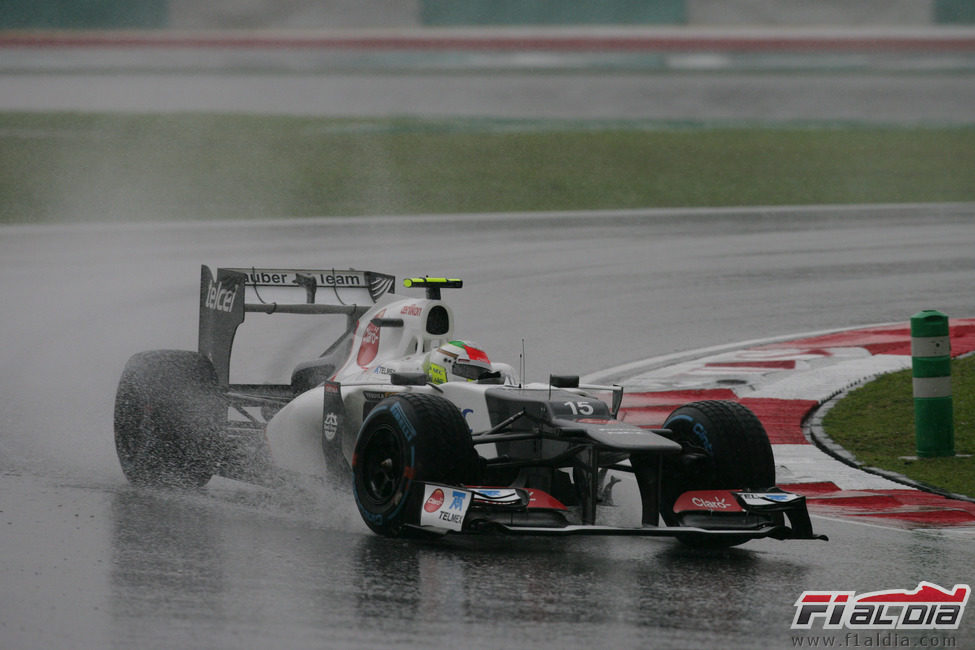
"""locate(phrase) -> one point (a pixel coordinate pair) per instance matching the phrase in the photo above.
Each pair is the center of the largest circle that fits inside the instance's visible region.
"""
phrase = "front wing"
(728, 514)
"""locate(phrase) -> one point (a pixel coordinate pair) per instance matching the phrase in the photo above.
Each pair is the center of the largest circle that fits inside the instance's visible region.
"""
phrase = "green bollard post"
(934, 428)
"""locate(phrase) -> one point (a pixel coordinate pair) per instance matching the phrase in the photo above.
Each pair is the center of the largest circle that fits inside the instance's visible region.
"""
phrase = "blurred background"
(249, 14)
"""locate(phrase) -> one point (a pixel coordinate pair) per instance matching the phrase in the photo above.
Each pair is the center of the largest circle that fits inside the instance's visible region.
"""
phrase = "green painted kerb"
(931, 363)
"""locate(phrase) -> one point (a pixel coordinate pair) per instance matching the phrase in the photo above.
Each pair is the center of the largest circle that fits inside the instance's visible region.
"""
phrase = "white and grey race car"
(429, 434)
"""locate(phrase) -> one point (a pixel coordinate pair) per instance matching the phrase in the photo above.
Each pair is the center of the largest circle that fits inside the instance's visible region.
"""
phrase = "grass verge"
(117, 167)
(876, 424)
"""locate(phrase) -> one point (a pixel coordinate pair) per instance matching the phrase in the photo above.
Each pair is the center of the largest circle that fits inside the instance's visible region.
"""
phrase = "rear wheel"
(725, 447)
(168, 413)
(408, 437)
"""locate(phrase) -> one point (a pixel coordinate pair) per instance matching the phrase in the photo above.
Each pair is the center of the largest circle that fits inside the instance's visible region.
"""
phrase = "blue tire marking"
(697, 428)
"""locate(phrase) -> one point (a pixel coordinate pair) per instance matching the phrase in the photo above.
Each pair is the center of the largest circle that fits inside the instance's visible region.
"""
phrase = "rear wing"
(225, 299)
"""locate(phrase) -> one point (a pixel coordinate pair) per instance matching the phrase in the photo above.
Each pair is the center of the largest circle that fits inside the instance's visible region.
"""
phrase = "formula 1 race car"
(430, 434)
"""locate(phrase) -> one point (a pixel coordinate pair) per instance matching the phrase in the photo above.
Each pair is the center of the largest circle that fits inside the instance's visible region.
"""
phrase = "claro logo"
(715, 503)
(220, 299)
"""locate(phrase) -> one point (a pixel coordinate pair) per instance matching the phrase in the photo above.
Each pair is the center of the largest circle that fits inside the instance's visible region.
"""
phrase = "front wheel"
(408, 437)
(725, 447)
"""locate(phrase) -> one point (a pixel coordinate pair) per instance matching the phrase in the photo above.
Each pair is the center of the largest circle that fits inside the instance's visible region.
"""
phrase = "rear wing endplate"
(225, 299)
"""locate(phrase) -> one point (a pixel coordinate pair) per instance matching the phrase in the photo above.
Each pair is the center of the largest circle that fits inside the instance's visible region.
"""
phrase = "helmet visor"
(468, 371)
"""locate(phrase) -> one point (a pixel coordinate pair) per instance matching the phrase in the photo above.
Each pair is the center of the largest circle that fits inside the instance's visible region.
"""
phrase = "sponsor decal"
(605, 421)
(411, 310)
(712, 500)
(220, 299)
(444, 507)
(764, 498)
(434, 501)
(611, 427)
(438, 374)
(543, 500)
(928, 607)
(264, 277)
(283, 278)
(369, 347)
(718, 503)
(332, 410)
(497, 495)
(404, 422)
(330, 426)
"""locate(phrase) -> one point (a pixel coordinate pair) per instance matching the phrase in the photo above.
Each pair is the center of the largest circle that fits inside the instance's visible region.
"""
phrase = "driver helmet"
(457, 361)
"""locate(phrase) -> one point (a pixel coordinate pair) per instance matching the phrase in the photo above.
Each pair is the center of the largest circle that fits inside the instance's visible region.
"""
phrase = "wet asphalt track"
(88, 561)
(698, 96)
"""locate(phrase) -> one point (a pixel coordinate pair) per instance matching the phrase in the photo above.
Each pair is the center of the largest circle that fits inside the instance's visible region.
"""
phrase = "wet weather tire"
(168, 412)
(730, 450)
(406, 438)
